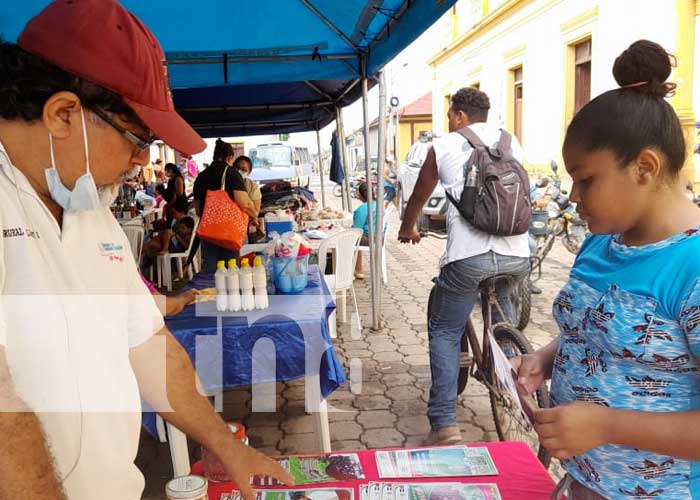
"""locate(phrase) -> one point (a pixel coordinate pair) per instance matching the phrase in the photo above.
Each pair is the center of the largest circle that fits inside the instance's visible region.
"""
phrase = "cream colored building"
(541, 60)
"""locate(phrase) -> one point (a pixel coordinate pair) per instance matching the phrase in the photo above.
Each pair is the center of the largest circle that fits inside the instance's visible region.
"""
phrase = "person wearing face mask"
(244, 165)
(210, 180)
(81, 339)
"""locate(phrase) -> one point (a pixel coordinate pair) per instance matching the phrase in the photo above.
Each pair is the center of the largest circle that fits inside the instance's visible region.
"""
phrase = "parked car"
(434, 212)
(277, 161)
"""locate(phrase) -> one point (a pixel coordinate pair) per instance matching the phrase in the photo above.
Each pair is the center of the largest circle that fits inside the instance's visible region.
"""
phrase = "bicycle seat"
(490, 282)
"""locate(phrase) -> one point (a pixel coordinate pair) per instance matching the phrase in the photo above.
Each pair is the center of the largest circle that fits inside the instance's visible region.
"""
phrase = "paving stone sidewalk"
(386, 403)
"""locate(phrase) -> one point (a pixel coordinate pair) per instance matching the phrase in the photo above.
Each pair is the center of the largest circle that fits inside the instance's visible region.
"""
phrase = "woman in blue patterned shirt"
(625, 371)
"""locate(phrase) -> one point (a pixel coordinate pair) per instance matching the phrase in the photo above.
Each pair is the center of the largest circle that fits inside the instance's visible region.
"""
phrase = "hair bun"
(645, 63)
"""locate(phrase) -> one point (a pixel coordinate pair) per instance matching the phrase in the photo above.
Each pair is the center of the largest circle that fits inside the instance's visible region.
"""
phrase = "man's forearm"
(413, 209)
(26, 467)
(188, 410)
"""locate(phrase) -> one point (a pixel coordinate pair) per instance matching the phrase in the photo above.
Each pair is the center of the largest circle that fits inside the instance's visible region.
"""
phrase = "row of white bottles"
(241, 289)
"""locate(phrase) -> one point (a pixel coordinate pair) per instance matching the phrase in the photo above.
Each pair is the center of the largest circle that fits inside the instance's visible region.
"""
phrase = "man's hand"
(531, 371)
(243, 462)
(409, 236)
(572, 429)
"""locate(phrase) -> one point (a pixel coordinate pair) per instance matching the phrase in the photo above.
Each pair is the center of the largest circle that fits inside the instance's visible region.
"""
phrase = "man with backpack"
(480, 167)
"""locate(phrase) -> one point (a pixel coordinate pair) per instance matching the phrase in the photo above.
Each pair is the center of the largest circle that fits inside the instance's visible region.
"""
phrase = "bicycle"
(511, 424)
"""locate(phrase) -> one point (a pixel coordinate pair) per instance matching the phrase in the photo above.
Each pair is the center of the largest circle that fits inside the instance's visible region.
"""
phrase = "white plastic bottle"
(220, 284)
(233, 287)
(245, 276)
(260, 284)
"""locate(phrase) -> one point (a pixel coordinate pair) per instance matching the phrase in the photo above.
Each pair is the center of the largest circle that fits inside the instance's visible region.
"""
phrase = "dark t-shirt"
(210, 179)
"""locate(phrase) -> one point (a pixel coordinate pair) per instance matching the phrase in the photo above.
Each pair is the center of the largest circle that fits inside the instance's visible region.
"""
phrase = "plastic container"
(187, 488)
(260, 284)
(245, 276)
(538, 222)
(213, 468)
(279, 224)
(233, 287)
(291, 273)
(220, 284)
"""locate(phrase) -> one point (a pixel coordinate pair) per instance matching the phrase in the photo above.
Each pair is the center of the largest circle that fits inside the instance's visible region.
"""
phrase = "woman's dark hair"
(222, 150)
(242, 159)
(362, 190)
(473, 102)
(635, 116)
(27, 82)
(161, 189)
(172, 168)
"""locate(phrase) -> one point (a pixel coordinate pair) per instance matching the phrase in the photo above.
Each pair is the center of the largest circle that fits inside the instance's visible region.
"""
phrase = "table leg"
(179, 452)
(323, 427)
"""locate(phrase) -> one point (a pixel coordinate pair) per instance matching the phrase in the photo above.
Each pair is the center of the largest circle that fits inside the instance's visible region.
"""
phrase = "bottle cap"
(220, 264)
(258, 261)
(232, 264)
(244, 263)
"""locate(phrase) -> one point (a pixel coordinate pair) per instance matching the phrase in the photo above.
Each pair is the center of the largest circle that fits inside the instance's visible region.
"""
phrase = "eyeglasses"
(141, 144)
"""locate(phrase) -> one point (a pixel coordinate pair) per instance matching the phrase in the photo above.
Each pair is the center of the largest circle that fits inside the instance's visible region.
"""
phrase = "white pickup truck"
(434, 212)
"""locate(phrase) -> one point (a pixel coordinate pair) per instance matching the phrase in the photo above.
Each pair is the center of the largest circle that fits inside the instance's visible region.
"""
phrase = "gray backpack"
(496, 196)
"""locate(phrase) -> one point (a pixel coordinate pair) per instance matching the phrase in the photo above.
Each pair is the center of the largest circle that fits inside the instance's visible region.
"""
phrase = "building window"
(582, 76)
(518, 103)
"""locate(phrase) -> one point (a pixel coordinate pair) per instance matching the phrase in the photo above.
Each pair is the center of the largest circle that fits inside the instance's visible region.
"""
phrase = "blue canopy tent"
(245, 67)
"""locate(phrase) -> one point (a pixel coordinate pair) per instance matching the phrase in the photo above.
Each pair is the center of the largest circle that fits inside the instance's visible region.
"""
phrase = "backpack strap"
(471, 137)
(504, 144)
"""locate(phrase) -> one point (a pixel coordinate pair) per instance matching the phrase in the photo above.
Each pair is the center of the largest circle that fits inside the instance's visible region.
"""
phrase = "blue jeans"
(456, 292)
(211, 254)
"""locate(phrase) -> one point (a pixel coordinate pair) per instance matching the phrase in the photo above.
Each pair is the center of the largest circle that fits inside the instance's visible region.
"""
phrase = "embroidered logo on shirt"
(640, 492)
(15, 232)
(112, 251)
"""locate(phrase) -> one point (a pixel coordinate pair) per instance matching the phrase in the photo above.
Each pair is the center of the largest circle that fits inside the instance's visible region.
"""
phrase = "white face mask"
(84, 195)
(245, 175)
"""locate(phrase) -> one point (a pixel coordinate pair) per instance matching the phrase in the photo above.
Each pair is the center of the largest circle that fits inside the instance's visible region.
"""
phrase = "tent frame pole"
(379, 230)
(320, 168)
(370, 197)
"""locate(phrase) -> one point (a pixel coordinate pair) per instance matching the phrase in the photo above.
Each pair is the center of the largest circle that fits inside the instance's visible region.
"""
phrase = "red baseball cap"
(103, 43)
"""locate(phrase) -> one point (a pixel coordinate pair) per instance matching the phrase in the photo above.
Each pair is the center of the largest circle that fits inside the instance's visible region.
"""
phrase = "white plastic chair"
(135, 236)
(345, 245)
(365, 249)
(164, 263)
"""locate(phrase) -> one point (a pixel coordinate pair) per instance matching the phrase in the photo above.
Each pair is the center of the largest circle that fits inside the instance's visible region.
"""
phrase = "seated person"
(360, 220)
(175, 239)
(161, 191)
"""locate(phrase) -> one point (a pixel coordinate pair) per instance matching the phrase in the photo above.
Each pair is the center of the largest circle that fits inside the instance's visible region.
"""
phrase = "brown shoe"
(442, 437)
(359, 276)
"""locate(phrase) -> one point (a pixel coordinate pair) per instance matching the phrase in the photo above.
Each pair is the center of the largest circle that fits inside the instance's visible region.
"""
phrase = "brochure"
(444, 461)
(310, 469)
(297, 494)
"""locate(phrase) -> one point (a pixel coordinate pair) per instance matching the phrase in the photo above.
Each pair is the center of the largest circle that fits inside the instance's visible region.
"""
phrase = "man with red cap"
(83, 94)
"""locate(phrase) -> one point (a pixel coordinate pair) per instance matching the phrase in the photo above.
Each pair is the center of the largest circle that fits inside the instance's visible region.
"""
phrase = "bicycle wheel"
(510, 424)
(521, 299)
(464, 348)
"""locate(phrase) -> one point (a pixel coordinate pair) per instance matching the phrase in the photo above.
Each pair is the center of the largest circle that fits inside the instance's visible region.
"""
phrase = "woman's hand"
(531, 371)
(572, 429)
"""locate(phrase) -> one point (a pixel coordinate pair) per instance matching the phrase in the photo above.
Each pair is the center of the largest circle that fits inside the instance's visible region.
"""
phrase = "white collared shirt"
(463, 239)
(73, 304)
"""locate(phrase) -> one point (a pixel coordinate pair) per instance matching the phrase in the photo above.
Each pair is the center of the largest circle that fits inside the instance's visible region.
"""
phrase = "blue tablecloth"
(287, 341)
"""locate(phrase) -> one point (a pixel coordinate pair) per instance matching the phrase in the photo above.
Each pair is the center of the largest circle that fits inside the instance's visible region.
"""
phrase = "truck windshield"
(271, 156)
